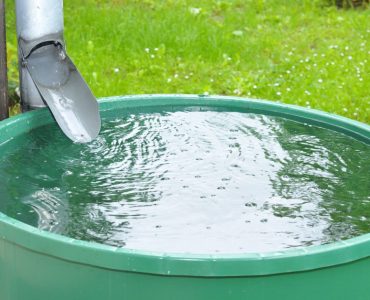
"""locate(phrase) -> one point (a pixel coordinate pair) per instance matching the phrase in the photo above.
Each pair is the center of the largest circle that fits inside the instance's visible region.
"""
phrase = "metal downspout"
(48, 76)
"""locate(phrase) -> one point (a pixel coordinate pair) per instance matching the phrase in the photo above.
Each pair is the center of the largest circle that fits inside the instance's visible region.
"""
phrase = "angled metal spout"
(48, 76)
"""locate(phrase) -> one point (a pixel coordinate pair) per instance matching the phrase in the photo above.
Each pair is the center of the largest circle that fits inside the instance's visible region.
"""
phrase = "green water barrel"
(37, 265)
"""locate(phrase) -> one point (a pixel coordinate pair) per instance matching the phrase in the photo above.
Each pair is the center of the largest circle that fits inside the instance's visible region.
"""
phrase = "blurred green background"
(308, 53)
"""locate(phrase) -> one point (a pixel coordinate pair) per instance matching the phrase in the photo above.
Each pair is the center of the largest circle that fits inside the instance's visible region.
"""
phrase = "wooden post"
(4, 101)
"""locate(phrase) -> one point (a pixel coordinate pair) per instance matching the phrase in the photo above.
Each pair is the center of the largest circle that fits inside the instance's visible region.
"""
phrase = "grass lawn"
(298, 52)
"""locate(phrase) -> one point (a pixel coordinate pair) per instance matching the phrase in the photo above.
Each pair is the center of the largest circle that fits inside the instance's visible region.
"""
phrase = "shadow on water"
(335, 170)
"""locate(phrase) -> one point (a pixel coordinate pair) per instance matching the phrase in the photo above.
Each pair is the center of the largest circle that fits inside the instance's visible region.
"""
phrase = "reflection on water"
(191, 181)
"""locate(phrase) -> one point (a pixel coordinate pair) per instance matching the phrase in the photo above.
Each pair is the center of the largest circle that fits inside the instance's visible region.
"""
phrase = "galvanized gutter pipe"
(48, 76)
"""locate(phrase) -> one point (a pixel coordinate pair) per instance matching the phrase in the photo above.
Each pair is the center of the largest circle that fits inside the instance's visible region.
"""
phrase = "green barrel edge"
(43, 265)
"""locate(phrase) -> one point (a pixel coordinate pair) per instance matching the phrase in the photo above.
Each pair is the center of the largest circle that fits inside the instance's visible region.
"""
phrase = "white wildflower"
(238, 33)
(195, 10)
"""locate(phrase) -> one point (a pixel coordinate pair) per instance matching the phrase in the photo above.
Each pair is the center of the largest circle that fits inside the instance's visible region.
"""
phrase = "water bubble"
(285, 178)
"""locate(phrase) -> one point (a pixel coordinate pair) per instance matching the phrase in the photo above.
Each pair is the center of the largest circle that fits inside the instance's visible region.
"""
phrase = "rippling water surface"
(191, 181)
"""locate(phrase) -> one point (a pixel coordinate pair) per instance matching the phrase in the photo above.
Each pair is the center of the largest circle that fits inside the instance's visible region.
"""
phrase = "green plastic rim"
(180, 264)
